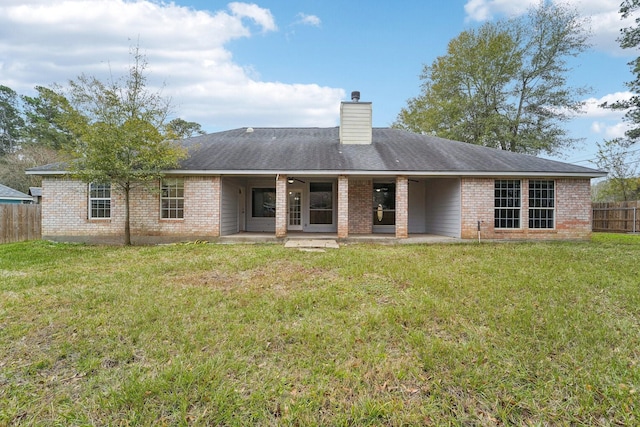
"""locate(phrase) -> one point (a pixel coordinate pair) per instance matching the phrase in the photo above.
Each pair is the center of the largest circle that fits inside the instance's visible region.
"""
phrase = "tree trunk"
(127, 225)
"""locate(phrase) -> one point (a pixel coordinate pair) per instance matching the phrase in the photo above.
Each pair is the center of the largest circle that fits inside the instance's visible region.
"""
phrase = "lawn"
(236, 335)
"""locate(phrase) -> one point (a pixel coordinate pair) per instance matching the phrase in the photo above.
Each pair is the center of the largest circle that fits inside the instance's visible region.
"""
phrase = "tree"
(614, 156)
(629, 39)
(11, 122)
(46, 119)
(13, 165)
(121, 132)
(504, 85)
(184, 129)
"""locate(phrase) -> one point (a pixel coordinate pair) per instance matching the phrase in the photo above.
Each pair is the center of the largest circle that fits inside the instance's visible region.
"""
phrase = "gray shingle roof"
(317, 150)
(392, 150)
(10, 193)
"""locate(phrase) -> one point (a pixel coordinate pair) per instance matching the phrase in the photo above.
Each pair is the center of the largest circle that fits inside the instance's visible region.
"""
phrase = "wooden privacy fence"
(616, 217)
(19, 222)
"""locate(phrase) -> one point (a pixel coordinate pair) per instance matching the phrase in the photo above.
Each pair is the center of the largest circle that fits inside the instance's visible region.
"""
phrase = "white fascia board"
(16, 198)
(432, 174)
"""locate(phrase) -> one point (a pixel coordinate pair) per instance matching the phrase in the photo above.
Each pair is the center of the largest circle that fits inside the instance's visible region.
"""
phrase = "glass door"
(295, 209)
(384, 207)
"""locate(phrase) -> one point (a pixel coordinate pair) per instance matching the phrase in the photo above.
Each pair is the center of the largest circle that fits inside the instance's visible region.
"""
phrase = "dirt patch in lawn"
(279, 276)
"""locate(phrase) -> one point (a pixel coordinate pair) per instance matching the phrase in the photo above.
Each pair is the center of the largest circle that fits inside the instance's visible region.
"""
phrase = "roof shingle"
(276, 150)
(319, 149)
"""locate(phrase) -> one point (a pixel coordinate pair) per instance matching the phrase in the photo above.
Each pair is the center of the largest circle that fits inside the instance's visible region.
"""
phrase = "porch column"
(402, 207)
(343, 206)
(281, 206)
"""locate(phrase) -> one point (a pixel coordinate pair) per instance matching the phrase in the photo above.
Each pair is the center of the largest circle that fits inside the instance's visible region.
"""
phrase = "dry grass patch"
(279, 276)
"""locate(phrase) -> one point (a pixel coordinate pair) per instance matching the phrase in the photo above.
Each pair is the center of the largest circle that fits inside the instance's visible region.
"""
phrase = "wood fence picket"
(20, 222)
(616, 216)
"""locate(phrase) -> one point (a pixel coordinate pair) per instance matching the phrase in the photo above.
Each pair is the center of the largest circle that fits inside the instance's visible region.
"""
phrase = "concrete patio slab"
(383, 239)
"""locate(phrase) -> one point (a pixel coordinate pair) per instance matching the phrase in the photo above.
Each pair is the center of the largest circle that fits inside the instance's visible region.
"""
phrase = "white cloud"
(51, 41)
(610, 131)
(305, 19)
(609, 123)
(597, 127)
(483, 10)
(592, 106)
(259, 15)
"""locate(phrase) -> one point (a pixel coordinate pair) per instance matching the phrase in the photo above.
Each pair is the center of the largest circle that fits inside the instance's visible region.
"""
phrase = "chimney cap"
(355, 96)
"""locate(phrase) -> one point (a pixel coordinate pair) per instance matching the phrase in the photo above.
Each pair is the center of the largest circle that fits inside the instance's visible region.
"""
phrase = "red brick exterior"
(281, 206)
(402, 207)
(65, 213)
(572, 212)
(360, 207)
(343, 206)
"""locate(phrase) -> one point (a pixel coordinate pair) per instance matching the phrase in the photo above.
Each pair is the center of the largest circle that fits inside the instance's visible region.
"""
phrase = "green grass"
(471, 334)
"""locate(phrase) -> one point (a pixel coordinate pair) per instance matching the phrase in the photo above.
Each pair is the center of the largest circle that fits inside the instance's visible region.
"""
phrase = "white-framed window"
(172, 198)
(507, 203)
(99, 200)
(542, 201)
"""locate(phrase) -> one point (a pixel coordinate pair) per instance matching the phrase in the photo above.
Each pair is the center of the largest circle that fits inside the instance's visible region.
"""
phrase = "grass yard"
(236, 335)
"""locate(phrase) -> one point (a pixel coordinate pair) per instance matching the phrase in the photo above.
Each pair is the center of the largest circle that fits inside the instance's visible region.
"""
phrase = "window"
(541, 204)
(321, 203)
(263, 202)
(172, 199)
(384, 204)
(507, 203)
(99, 201)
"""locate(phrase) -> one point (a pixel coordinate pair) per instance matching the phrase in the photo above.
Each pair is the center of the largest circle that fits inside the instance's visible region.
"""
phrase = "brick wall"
(573, 210)
(65, 213)
(402, 207)
(360, 208)
(572, 213)
(477, 205)
(343, 206)
(282, 213)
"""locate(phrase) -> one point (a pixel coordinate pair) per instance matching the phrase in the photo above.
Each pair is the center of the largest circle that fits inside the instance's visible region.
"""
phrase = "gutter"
(363, 173)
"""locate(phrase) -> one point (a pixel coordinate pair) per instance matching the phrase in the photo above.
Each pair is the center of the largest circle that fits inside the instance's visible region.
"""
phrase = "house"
(349, 181)
(9, 195)
(36, 194)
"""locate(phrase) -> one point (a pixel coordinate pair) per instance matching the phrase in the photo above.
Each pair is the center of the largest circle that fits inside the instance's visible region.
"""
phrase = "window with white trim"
(541, 204)
(172, 199)
(99, 201)
(507, 202)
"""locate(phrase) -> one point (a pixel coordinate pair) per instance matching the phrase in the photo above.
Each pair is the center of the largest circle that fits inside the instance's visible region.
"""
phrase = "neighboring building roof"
(35, 191)
(318, 150)
(8, 193)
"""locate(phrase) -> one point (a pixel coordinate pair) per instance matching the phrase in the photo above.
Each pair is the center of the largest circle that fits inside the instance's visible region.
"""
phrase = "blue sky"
(285, 63)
